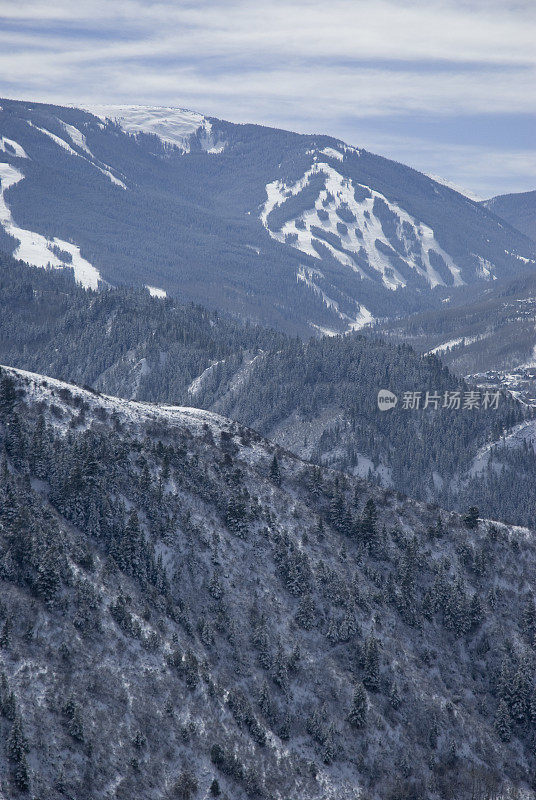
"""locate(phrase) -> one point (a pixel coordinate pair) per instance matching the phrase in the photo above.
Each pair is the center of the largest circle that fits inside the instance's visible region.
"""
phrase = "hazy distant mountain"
(518, 209)
(301, 232)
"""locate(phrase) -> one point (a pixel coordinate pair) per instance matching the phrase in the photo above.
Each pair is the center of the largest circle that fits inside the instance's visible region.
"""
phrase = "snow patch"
(154, 291)
(12, 148)
(36, 249)
(173, 126)
(363, 316)
(450, 185)
(359, 238)
(104, 170)
(330, 151)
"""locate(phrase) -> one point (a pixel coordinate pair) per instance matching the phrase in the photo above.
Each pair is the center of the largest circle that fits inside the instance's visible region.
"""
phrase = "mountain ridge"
(345, 230)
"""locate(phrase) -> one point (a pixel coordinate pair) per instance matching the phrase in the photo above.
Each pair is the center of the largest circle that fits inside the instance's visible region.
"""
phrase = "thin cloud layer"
(302, 64)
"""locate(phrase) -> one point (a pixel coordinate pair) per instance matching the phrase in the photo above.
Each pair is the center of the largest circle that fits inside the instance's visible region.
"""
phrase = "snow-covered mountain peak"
(326, 214)
(173, 126)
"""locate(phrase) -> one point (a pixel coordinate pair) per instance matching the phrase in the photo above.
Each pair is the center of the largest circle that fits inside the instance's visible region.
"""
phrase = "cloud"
(305, 64)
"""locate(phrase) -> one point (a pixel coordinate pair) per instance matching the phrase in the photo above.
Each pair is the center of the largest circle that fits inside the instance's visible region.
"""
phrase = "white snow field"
(154, 291)
(16, 149)
(36, 249)
(173, 126)
(340, 192)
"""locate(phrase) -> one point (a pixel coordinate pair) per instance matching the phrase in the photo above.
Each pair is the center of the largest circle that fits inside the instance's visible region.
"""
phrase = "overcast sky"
(445, 85)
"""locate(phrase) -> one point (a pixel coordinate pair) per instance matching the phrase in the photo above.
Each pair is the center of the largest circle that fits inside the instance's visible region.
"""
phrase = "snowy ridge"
(355, 243)
(173, 126)
(36, 249)
(133, 412)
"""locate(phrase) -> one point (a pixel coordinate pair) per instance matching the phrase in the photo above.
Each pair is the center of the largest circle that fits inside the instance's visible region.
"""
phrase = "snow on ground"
(79, 140)
(154, 291)
(16, 149)
(197, 384)
(330, 151)
(36, 249)
(520, 258)
(173, 126)
(362, 235)
(56, 139)
(363, 316)
(450, 185)
(445, 346)
(42, 387)
(525, 431)
(77, 137)
(465, 340)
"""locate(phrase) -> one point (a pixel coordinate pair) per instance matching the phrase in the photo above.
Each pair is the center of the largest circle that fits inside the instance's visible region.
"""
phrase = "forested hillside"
(519, 210)
(188, 611)
(316, 398)
(494, 330)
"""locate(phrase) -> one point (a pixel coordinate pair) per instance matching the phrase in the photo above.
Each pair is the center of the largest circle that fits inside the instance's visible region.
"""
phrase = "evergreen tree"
(394, 696)
(502, 722)
(471, 518)
(275, 472)
(17, 743)
(368, 522)
(371, 669)
(528, 617)
(358, 713)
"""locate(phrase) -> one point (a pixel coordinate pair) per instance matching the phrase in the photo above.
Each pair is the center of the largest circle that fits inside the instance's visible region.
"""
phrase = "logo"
(386, 400)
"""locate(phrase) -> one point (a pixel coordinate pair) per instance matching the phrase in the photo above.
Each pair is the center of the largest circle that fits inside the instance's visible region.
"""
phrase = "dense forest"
(316, 397)
(190, 611)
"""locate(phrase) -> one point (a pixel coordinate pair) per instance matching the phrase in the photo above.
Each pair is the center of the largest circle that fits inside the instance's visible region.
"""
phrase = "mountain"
(316, 398)
(300, 232)
(492, 331)
(518, 209)
(190, 611)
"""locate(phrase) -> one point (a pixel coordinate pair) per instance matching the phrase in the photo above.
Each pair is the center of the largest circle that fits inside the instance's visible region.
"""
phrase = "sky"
(447, 86)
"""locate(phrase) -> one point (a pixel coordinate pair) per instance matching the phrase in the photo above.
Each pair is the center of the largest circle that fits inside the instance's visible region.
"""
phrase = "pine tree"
(22, 775)
(215, 790)
(532, 707)
(368, 522)
(394, 696)
(502, 722)
(471, 518)
(528, 617)
(8, 393)
(306, 615)
(358, 713)
(275, 473)
(329, 750)
(17, 744)
(48, 578)
(185, 786)
(476, 613)
(371, 670)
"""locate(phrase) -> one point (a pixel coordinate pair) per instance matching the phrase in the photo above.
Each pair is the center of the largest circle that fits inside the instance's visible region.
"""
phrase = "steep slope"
(301, 232)
(519, 210)
(318, 399)
(496, 332)
(183, 611)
